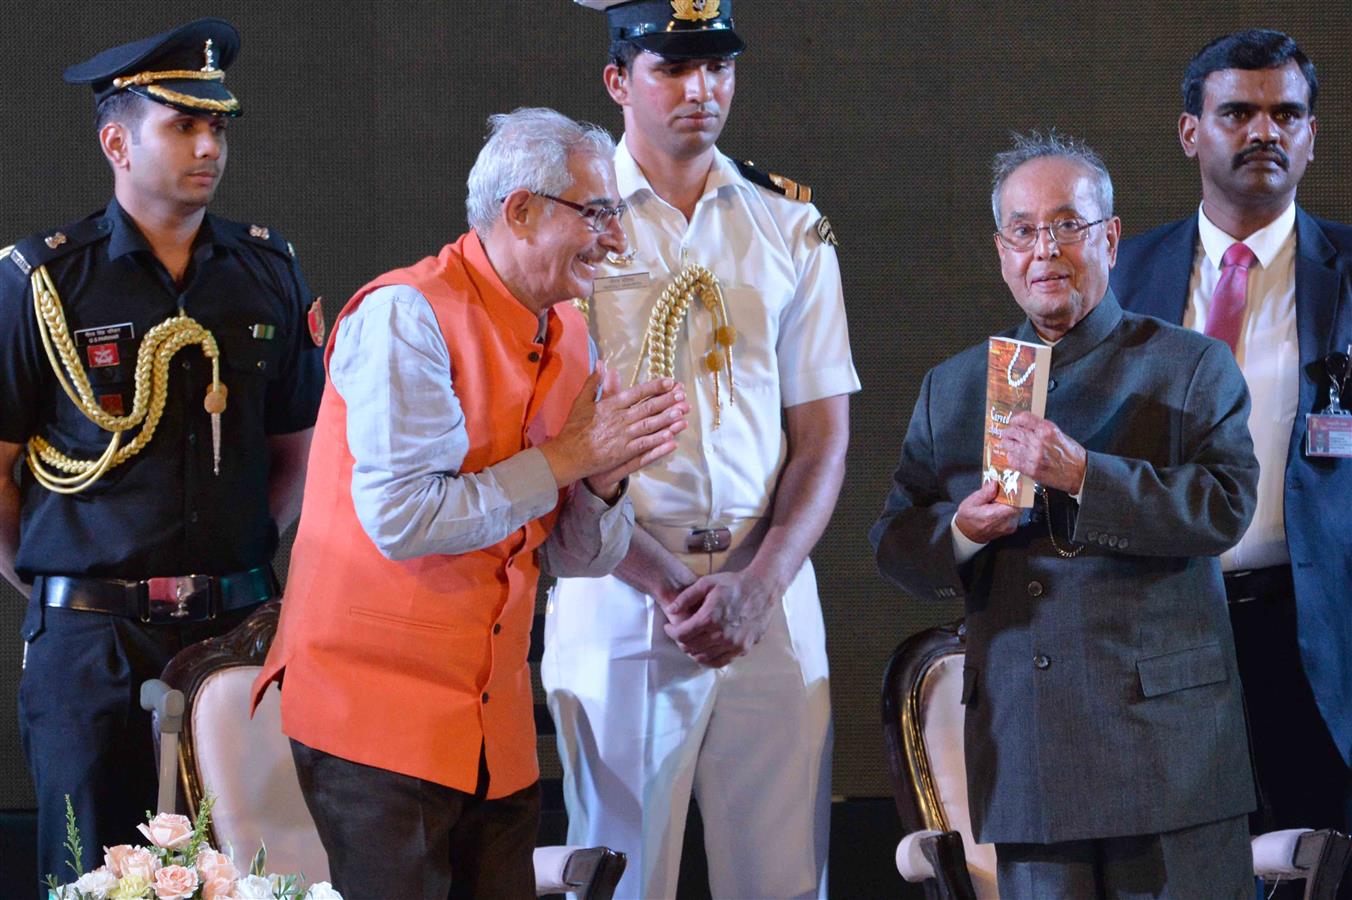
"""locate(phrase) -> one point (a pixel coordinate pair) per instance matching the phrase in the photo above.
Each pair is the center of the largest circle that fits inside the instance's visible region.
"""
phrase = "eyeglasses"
(598, 218)
(1022, 236)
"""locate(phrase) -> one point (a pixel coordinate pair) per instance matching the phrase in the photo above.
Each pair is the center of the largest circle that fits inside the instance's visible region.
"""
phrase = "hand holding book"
(1037, 448)
(982, 518)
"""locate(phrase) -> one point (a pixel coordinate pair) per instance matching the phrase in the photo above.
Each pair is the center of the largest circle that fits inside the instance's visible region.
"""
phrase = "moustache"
(1243, 156)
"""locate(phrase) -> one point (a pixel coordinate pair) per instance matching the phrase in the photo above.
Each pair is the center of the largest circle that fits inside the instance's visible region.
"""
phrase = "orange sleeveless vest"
(403, 665)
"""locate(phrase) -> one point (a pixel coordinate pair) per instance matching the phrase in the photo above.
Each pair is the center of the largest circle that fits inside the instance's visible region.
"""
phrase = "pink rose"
(219, 889)
(140, 862)
(175, 883)
(113, 857)
(168, 830)
(213, 865)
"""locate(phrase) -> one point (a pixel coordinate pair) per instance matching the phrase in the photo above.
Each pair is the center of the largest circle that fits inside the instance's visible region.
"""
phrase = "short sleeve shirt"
(781, 284)
(164, 511)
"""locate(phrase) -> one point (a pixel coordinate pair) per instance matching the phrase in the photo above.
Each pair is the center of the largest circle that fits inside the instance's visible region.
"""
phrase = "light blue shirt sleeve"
(406, 432)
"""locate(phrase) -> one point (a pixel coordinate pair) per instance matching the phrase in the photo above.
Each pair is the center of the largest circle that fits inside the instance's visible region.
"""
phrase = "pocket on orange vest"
(381, 615)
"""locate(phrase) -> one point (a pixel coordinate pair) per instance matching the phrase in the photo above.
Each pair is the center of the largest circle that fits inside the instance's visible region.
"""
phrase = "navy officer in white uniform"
(699, 666)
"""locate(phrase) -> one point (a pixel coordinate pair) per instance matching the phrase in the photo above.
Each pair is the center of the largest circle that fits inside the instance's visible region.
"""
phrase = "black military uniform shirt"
(163, 512)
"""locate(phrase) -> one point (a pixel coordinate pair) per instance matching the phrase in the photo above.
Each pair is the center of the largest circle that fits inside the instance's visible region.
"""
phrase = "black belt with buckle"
(176, 600)
(708, 540)
(1259, 584)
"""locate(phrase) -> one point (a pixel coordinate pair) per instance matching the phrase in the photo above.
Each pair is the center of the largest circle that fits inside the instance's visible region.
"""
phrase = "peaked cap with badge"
(183, 68)
(674, 29)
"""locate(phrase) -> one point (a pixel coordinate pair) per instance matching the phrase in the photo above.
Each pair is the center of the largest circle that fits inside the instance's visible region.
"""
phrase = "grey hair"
(1034, 145)
(528, 148)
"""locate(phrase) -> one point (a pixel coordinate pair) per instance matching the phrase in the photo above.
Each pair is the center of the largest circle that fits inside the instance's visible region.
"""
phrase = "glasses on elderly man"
(598, 218)
(1022, 235)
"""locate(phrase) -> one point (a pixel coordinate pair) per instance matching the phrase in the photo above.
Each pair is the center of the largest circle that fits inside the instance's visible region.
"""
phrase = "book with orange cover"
(1017, 373)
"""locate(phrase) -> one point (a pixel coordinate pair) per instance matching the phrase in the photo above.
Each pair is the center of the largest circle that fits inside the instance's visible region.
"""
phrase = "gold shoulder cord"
(659, 343)
(152, 388)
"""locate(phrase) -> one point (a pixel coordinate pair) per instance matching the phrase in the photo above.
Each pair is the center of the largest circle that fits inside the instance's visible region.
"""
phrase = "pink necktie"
(1226, 317)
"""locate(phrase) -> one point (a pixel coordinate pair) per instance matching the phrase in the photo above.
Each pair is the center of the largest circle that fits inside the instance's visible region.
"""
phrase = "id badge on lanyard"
(1329, 434)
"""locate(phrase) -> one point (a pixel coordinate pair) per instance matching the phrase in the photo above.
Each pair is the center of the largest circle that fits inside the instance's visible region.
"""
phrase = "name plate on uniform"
(1328, 435)
(622, 282)
(105, 334)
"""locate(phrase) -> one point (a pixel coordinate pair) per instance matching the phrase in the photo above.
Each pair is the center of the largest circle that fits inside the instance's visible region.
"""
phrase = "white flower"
(322, 890)
(254, 887)
(97, 883)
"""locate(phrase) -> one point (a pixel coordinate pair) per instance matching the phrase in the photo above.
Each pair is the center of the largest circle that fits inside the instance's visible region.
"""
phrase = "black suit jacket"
(1152, 276)
(1101, 691)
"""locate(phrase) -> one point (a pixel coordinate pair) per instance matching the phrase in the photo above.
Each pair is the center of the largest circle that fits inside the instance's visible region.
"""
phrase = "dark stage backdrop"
(362, 120)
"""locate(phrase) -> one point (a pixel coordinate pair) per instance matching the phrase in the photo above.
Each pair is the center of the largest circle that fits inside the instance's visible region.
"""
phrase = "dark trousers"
(1203, 862)
(1302, 781)
(390, 835)
(83, 729)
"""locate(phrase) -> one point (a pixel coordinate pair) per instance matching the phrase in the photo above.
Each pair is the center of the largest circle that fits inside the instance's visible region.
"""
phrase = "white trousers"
(641, 725)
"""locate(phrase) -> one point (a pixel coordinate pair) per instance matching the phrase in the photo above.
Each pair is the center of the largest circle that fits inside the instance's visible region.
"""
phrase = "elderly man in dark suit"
(1105, 741)
(1255, 269)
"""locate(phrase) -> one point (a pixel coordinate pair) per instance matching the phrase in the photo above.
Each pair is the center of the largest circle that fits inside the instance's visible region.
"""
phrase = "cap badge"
(695, 10)
(56, 240)
(259, 232)
(209, 56)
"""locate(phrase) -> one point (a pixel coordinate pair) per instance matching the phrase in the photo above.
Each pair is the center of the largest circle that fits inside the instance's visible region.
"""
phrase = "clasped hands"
(605, 440)
(1040, 450)
(716, 618)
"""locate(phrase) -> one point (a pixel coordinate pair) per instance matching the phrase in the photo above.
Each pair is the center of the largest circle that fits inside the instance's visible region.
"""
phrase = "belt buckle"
(178, 599)
(708, 540)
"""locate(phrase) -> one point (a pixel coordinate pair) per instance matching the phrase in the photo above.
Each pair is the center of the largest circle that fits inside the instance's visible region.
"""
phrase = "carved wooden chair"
(923, 732)
(246, 764)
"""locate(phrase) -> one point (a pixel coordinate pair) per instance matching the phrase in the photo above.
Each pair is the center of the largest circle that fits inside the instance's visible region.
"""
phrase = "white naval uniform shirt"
(781, 284)
(1268, 354)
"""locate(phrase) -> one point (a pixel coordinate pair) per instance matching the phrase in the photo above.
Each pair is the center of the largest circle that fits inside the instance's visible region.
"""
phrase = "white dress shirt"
(406, 432)
(1268, 354)
(781, 284)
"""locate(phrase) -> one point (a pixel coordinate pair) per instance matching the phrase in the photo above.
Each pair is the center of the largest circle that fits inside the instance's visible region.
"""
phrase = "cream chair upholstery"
(247, 766)
(923, 729)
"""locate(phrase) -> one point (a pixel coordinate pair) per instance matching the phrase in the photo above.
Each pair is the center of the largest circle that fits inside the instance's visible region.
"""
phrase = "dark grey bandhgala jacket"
(1101, 691)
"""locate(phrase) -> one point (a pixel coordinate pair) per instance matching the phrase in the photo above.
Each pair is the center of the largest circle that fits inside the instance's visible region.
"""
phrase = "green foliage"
(287, 888)
(260, 861)
(73, 845)
(200, 826)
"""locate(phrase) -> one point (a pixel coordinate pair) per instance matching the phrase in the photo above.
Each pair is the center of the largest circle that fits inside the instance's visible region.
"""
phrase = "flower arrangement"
(178, 864)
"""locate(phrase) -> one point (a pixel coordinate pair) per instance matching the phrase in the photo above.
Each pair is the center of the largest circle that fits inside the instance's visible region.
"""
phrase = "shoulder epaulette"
(43, 247)
(777, 183)
(262, 235)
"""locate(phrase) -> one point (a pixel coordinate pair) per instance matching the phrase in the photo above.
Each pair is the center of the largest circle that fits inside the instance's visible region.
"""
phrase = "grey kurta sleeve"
(912, 539)
(590, 537)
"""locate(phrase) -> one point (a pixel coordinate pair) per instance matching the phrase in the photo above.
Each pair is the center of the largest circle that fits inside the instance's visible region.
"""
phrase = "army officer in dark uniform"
(159, 376)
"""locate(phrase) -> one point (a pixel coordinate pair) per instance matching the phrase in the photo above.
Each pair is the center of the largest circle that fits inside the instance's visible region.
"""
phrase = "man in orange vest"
(461, 447)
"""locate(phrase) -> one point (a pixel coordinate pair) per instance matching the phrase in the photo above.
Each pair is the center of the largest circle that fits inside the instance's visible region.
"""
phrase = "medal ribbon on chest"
(659, 342)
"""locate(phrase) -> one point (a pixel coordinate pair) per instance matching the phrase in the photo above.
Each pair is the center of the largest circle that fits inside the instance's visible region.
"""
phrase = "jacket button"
(1112, 541)
(1103, 540)
(1051, 384)
(534, 356)
(497, 628)
(1093, 535)
(485, 696)
(1035, 589)
(1041, 661)
(1122, 544)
